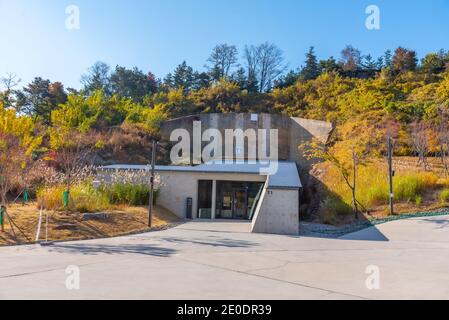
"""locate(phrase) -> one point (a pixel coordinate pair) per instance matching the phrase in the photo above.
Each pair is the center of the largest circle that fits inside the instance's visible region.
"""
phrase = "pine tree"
(311, 70)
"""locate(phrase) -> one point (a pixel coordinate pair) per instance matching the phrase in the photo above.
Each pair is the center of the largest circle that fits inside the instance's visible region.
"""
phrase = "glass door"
(240, 204)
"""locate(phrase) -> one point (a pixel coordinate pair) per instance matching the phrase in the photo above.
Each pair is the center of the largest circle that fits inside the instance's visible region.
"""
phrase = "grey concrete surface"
(222, 260)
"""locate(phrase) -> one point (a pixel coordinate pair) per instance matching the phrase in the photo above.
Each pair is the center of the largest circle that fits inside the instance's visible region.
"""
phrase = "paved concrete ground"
(202, 260)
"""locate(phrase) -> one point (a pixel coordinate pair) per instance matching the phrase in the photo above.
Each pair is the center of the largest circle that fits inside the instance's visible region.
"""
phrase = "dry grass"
(415, 190)
(124, 220)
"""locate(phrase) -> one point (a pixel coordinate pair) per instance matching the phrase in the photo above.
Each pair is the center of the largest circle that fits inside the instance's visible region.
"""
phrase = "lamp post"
(390, 151)
(153, 165)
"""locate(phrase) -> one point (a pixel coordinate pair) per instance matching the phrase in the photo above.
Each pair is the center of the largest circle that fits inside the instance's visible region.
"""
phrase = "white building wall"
(176, 187)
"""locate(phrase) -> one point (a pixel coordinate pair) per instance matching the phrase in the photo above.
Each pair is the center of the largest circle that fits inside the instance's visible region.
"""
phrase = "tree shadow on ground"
(212, 241)
(440, 223)
(90, 249)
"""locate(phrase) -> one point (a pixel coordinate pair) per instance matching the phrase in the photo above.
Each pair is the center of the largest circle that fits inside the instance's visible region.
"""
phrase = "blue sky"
(156, 35)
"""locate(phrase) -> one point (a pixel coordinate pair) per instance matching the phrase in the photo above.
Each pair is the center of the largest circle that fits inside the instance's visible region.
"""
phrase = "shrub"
(444, 196)
(85, 198)
(409, 186)
(332, 207)
(127, 193)
(373, 188)
(418, 200)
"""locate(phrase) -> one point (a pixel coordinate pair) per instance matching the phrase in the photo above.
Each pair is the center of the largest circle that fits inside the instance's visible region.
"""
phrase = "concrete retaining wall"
(277, 212)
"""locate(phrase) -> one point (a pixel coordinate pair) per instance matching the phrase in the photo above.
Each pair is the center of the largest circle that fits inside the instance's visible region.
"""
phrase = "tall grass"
(373, 187)
(127, 193)
(85, 198)
(444, 196)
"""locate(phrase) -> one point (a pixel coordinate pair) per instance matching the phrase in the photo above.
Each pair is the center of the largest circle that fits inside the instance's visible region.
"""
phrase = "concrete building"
(242, 188)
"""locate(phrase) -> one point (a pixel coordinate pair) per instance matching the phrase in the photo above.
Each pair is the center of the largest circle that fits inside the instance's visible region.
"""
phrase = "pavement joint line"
(43, 271)
(327, 291)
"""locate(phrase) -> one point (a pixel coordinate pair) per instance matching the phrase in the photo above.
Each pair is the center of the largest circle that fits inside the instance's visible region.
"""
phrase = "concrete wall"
(176, 187)
(278, 212)
(292, 132)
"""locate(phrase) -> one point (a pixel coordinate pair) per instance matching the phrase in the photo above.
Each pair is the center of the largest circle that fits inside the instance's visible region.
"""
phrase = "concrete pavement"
(203, 260)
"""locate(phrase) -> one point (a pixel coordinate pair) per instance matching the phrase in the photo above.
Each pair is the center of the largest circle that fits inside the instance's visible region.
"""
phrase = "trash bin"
(189, 208)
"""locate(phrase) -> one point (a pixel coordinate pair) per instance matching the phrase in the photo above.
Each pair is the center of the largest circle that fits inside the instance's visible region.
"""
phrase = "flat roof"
(285, 177)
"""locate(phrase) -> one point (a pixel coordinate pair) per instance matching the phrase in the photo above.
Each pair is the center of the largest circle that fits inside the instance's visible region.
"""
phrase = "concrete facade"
(292, 132)
(176, 187)
(277, 209)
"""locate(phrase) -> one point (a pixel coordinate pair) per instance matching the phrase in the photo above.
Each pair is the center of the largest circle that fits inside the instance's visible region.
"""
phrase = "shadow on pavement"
(213, 242)
(369, 234)
(87, 249)
(441, 223)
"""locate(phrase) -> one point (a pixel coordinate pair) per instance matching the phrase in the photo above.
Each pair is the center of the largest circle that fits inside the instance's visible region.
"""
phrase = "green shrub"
(409, 186)
(83, 198)
(418, 200)
(87, 199)
(444, 196)
(127, 193)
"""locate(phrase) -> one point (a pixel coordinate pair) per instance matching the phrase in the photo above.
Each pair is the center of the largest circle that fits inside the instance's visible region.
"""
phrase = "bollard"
(66, 199)
(26, 196)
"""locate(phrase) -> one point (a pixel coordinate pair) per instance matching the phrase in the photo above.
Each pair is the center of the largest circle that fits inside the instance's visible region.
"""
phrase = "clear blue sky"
(156, 35)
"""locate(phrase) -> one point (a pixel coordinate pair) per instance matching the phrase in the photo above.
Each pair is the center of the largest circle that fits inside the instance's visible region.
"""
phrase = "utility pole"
(153, 164)
(390, 152)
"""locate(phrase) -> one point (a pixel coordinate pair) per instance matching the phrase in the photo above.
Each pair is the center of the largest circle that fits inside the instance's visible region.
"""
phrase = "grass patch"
(444, 196)
(130, 194)
(373, 187)
(85, 198)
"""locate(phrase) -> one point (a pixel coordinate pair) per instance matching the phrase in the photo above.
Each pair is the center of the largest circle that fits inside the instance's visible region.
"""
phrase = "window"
(205, 199)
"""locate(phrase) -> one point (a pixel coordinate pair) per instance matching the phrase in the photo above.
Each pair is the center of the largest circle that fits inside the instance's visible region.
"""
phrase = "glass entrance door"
(240, 207)
(236, 200)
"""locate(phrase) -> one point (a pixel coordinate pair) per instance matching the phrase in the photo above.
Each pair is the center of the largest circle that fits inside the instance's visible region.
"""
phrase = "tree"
(183, 77)
(240, 78)
(132, 83)
(443, 138)
(57, 93)
(404, 60)
(329, 65)
(311, 70)
(288, 80)
(433, 63)
(271, 62)
(9, 82)
(251, 56)
(40, 97)
(264, 63)
(223, 96)
(222, 59)
(419, 136)
(387, 59)
(369, 63)
(201, 80)
(350, 59)
(17, 143)
(346, 156)
(72, 152)
(97, 78)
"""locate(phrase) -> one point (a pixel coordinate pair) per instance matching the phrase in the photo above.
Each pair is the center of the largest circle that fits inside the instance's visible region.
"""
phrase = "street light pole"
(153, 164)
(391, 173)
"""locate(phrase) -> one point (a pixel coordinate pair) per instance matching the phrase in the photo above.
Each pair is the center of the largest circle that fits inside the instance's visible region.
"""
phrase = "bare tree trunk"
(68, 194)
(354, 185)
(443, 150)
